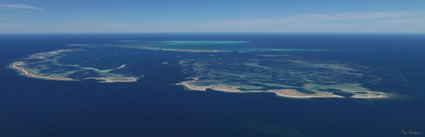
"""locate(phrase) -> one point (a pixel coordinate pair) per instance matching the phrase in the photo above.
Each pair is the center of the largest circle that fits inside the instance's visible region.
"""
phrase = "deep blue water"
(154, 107)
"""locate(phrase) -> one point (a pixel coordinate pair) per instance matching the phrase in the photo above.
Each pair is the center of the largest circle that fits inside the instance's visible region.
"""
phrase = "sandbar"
(114, 79)
(371, 95)
(290, 93)
(18, 66)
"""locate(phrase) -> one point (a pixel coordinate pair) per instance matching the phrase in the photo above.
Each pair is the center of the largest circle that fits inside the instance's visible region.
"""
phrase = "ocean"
(155, 106)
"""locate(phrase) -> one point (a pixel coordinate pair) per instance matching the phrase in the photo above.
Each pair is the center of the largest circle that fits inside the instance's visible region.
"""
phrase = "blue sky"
(98, 16)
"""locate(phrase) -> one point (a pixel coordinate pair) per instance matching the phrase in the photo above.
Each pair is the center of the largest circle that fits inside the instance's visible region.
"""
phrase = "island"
(114, 79)
(49, 66)
(18, 66)
(371, 95)
(292, 93)
(289, 93)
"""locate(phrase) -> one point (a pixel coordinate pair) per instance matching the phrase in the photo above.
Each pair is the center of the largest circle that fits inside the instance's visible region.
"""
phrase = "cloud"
(405, 21)
(19, 6)
(351, 16)
(349, 21)
(336, 22)
(310, 18)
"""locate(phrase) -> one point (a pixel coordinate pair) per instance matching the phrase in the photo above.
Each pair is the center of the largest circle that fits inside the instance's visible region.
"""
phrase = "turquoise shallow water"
(154, 106)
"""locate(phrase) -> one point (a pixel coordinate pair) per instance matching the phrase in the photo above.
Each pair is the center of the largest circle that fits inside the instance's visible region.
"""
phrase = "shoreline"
(292, 93)
(380, 95)
(17, 66)
(288, 93)
(114, 79)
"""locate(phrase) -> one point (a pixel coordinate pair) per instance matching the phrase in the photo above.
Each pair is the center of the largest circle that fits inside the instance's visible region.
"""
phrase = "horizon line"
(25, 33)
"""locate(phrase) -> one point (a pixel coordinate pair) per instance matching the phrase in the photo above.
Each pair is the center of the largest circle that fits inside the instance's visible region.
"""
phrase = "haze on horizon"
(133, 16)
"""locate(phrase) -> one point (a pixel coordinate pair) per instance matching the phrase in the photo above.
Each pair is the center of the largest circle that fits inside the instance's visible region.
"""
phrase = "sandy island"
(371, 95)
(289, 93)
(18, 66)
(114, 79)
(292, 93)
(224, 88)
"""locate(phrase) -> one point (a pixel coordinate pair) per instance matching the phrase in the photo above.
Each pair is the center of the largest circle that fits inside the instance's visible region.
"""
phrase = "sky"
(139, 16)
